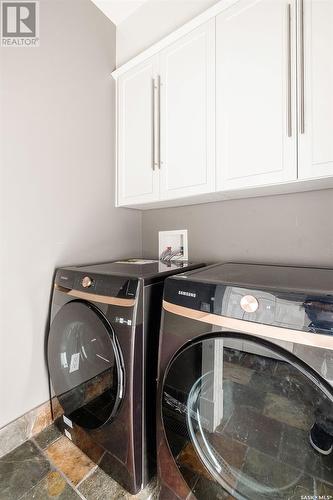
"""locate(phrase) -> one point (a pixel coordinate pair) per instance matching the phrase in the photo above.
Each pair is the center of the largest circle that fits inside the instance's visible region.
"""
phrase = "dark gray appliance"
(102, 351)
(245, 383)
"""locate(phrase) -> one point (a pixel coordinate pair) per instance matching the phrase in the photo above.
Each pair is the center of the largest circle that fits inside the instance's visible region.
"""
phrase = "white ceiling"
(118, 10)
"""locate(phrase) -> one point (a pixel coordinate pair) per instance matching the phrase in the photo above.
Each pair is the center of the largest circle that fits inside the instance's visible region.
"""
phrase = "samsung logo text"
(187, 294)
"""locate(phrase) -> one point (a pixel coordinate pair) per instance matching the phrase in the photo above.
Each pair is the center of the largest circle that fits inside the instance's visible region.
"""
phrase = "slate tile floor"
(49, 466)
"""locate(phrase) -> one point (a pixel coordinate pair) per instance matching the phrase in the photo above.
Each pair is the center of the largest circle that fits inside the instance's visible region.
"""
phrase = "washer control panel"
(298, 311)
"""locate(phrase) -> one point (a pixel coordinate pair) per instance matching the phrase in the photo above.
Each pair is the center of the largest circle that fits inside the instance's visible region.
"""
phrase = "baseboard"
(25, 427)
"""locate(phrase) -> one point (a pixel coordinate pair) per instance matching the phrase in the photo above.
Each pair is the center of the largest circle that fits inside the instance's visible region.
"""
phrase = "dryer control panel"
(111, 286)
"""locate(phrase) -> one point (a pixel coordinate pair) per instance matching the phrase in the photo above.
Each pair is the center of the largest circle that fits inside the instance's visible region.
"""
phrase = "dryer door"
(238, 419)
(85, 365)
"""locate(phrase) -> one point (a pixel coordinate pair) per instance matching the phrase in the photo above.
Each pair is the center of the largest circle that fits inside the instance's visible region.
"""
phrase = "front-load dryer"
(245, 384)
(102, 351)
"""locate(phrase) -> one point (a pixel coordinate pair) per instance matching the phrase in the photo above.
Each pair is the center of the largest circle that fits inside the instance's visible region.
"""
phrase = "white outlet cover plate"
(173, 239)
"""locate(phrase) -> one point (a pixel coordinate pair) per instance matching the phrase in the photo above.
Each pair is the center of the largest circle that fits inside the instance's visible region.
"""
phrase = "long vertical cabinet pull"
(159, 120)
(157, 127)
(289, 70)
(301, 66)
(153, 124)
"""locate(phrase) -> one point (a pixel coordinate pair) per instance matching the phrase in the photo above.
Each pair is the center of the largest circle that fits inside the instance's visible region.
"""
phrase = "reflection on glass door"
(85, 365)
(239, 419)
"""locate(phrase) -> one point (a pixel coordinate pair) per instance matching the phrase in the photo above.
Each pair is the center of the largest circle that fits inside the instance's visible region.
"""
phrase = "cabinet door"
(256, 94)
(187, 70)
(315, 88)
(137, 174)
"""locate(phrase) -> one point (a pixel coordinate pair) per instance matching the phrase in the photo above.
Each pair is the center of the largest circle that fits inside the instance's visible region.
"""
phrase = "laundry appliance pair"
(245, 398)
(102, 357)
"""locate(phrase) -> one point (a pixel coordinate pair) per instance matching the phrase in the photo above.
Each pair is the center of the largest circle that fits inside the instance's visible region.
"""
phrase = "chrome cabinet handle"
(157, 112)
(289, 90)
(301, 67)
(153, 125)
(156, 123)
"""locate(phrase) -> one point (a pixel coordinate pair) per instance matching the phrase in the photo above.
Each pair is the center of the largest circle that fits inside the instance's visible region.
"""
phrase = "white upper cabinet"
(315, 69)
(187, 114)
(137, 176)
(256, 94)
(238, 102)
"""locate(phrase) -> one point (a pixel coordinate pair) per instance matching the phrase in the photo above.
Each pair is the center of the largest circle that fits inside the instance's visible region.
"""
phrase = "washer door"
(85, 365)
(237, 413)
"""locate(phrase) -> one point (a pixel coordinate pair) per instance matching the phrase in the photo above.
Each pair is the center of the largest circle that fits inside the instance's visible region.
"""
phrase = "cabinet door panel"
(315, 138)
(187, 114)
(137, 179)
(255, 94)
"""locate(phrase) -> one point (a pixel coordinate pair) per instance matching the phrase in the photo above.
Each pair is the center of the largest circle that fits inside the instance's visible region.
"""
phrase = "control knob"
(86, 282)
(249, 303)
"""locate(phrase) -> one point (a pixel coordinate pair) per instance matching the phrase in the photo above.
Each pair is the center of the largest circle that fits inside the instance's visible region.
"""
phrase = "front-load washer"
(245, 379)
(102, 350)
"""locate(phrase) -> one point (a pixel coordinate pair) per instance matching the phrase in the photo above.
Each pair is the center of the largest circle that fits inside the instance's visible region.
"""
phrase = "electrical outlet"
(173, 245)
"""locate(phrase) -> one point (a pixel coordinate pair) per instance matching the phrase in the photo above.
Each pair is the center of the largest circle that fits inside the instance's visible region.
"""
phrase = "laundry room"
(166, 317)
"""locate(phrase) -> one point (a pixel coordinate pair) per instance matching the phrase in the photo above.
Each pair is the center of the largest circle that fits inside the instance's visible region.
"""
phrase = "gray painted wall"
(292, 229)
(57, 173)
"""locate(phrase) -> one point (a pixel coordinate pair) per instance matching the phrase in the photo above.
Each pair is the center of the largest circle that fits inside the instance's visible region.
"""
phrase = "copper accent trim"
(255, 329)
(103, 299)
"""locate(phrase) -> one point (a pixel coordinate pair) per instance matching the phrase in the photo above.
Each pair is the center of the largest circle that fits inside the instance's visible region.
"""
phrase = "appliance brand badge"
(187, 294)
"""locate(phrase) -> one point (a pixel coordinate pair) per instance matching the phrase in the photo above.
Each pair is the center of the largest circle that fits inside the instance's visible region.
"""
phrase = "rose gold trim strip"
(115, 301)
(256, 329)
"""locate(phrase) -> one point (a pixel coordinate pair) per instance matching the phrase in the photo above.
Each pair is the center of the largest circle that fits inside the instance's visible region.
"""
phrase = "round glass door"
(85, 365)
(239, 415)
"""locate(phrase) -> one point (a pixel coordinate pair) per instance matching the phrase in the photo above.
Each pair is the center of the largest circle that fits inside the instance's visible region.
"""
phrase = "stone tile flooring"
(50, 466)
